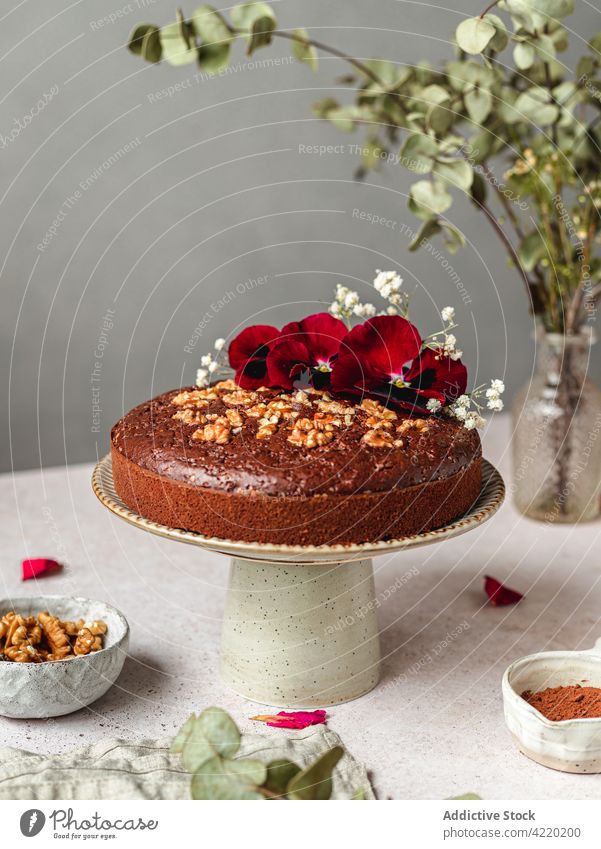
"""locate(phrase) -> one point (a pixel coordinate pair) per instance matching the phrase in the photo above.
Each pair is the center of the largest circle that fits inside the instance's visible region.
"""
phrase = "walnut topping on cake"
(307, 418)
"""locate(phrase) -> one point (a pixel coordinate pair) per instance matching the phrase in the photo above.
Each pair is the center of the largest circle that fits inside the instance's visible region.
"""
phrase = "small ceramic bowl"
(41, 690)
(572, 745)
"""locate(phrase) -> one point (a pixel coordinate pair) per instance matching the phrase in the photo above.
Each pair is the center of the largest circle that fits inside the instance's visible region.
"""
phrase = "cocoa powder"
(574, 702)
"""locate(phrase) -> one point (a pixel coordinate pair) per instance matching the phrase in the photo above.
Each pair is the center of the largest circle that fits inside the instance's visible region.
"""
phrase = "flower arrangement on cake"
(384, 358)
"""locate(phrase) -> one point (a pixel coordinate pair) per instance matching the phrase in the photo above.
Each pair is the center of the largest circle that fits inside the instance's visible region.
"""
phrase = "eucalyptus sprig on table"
(208, 745)
(543, 121)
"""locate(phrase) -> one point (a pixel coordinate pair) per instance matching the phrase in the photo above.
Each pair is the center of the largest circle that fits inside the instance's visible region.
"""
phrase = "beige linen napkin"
(116, 769)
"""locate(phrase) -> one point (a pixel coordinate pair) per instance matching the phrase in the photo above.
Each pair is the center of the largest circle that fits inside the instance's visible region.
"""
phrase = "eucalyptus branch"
(333, 51)
(505, 202)
(488, 8)
(531, 288)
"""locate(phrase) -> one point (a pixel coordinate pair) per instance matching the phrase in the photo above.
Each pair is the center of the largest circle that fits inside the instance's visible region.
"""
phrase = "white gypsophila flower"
(498, 386)
(495, 404)
(473, 420)
(433, 405)
(351, 300)
(456, 354)
(206, 360)
(387, 282)
(335, 309)
(447, 314)
(364, 310)
(341, 292)
(463, 401)
(392, 311)
(213, 366)
(202, 377)
(219, 344)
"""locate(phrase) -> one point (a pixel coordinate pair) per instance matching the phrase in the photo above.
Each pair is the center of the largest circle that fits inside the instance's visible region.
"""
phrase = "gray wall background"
(190, 196)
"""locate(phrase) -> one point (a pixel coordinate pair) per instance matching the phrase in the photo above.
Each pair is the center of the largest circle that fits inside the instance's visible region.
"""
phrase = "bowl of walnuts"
(58, 654)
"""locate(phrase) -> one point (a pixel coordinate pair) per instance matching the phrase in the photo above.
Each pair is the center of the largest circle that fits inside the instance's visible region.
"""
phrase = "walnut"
(19, 636)
(266, 430)
(83, 642)
(98, 628)
(196, 398)
(257, 410)
(56, 636)
(280, 405)
(215, 432)
(234, 418)
(318, 437)
(420, 425)
(375, 423)
(72, 628)
(374, 408)
(334, 407)
(14, 624)
(188, 416)
(226, 385)
(304, 424)
(310, 439)
(239, 397)
(301, 397)
(326, 421)
(23, 653)
(377, 439)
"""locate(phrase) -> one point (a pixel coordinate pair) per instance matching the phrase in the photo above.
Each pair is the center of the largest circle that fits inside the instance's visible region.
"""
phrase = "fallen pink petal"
(35, 567)
(499, 594)
(293, 719)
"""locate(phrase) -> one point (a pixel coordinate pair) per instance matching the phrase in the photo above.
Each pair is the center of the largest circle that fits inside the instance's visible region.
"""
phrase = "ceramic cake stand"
(300, 626)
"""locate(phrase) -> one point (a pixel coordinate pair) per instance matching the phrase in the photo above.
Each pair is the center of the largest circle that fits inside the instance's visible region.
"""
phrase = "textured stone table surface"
(433, 727)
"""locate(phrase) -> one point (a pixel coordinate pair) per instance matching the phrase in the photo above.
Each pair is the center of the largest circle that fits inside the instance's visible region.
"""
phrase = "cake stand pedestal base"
(300, 624)
(299, 635)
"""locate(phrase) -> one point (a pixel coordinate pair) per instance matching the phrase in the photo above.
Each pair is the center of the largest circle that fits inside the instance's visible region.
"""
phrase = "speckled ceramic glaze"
(42, 690)
(572, 745)
(297, 636)
(300, 625)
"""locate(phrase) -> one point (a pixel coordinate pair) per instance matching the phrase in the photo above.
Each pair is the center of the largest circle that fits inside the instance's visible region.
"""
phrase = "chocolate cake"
(297, 468)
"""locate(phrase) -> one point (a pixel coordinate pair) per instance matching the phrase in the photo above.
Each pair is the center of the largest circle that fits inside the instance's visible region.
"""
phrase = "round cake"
(297, 467)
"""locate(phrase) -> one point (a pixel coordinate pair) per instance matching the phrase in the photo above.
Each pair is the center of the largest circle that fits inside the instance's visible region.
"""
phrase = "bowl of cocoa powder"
(552, 704)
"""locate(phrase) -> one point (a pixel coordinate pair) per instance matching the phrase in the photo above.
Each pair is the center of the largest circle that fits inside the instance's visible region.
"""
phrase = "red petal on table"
(37, 566)
(498, 593)
(293, 718)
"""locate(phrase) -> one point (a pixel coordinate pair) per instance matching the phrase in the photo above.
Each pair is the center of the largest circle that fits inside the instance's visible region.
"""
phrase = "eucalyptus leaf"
(145, 41)
(177, 744)
(478, 103)
(464, 75)
(434, 94)
(429, 228)
(261, 36)
(535, 104)
(429, 198)
(552, 8)
(595, 43)
(175, 49)
(474, 34)
(322, 108)
(209, 25)
(458, 172)
(531, 250)
(304, 51)
(213, 733)
(454, 238)
(222, 778)
(440, 119)
(213, 57)
(524, 55)
(279, 775)
(500, 39)
(479, 190)
(465, 797)
(418, 153)
(315, 781)
(246, 15)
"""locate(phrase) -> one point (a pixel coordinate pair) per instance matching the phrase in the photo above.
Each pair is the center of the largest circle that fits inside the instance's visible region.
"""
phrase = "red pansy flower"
(248, 355)
(309, 346)
(382, 359)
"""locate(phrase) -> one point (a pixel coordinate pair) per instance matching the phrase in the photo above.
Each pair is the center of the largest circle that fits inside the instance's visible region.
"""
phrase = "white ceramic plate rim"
(84, 657)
